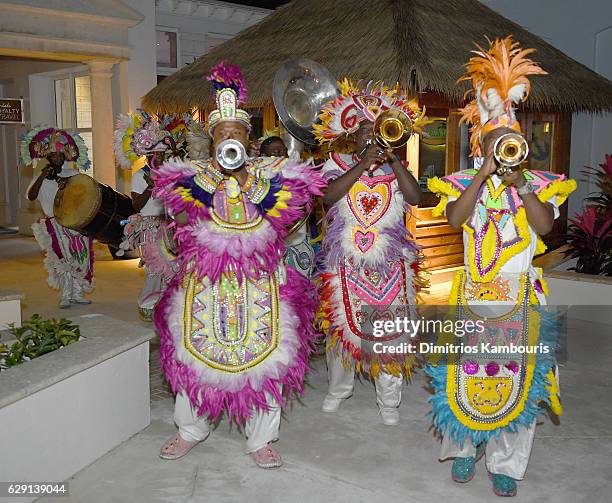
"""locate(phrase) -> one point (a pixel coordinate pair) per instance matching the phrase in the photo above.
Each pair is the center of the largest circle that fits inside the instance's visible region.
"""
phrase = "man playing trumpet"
(485, 404)
(235, 324)
(369, 262)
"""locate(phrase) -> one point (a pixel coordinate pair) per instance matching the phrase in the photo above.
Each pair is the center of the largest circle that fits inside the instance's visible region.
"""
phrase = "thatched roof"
(423, 44)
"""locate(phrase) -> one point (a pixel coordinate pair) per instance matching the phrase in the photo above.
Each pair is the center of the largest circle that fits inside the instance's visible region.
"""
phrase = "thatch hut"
(421, 44)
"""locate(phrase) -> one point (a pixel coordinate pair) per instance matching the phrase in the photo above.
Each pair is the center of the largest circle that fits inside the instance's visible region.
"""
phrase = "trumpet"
(230, 154)
(392, 129)
(510, 151)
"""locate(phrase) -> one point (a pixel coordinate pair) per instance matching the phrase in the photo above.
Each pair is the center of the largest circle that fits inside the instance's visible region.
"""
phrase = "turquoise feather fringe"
(447, 423)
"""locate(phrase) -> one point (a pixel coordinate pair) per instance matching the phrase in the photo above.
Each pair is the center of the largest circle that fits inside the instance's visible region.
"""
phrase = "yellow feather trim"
(444, 190)
(281, 203)
(553, 393)
(560, 188)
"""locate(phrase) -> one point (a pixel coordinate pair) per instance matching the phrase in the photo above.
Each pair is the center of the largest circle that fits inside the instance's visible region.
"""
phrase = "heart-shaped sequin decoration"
(364, 240)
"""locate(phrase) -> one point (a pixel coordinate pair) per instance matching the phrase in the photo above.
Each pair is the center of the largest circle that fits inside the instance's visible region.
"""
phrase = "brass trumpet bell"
(392, 129)
(510, 151)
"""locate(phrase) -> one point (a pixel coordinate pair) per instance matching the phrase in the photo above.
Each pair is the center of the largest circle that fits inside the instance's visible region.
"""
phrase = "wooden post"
(269, 115)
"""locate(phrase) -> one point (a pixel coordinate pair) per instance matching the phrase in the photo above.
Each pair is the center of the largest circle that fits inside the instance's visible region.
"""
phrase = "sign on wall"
(11, 111)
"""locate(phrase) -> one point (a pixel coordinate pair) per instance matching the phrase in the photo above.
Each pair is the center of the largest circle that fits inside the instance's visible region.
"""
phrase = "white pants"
(69, 288)
(151, 290)
(342, 381)
(507, 454)
(65, 285)
(260, 429)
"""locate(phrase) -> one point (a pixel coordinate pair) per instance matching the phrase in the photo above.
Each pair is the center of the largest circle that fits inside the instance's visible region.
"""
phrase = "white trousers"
(151, 290)
(507, 454)
(66, 284)
(260, 429)
(342, 382)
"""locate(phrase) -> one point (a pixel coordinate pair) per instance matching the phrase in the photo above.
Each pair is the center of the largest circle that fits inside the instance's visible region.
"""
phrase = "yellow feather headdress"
(499, 83)
(269, 133)
(356, 103)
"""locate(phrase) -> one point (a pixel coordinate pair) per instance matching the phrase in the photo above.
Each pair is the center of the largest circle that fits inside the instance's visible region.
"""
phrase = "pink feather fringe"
(249, 254)
(211, 402)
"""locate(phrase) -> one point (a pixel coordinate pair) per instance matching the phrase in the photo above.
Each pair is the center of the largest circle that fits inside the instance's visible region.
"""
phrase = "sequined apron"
(487, 391)
(230, 326)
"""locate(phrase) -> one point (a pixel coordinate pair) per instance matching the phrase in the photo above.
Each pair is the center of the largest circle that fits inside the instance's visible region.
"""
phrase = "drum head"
(78, 202)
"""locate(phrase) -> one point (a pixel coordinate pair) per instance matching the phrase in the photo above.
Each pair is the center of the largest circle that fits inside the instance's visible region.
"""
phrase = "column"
(101, 73)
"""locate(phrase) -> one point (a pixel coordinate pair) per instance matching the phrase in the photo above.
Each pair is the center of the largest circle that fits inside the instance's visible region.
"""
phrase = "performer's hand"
(150, 182)
(489, 166)
(61, 183)
(374, 154)
(390, 157)
(515, 178)
(46, 171)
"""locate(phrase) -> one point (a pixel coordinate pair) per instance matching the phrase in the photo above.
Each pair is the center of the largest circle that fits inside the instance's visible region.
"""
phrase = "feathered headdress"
(182, 128)
(138, 134)
(230, 93)
(499, 83)
(198, 142)
(269, 133)
(355, 104)
(41, 141)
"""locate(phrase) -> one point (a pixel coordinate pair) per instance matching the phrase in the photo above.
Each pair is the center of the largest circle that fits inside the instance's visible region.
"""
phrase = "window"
(73, 107)
(432, 149)
(167, 50)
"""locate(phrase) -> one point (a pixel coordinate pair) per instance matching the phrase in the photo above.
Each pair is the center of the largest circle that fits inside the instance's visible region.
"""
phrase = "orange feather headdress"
(499, 83)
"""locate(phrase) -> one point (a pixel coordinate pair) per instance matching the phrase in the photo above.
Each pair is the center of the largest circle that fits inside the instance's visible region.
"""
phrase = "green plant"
(37, 337)
(589, 234)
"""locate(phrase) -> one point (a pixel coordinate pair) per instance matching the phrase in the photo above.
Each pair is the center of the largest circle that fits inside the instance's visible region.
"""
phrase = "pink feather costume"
(235, 323)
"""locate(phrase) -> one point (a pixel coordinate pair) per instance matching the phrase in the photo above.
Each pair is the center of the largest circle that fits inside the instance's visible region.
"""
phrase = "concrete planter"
(586, 293)
(64, 410)
(10, 308)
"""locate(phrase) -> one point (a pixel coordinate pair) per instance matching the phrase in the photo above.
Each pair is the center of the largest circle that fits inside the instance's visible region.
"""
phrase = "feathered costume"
(69, 257)
(137, 135)
(368, 257)
(477, 398)
(236, 323)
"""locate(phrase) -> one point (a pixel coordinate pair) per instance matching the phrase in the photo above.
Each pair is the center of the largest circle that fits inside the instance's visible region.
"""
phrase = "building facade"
(76, 65)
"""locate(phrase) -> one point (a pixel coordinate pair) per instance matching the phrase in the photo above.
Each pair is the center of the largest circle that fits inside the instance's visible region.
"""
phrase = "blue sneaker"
(464, 468)
(503, 485)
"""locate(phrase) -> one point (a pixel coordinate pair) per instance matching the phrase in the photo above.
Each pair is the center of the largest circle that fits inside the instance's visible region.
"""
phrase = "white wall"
(197, 23)
(583, 31)
(141, 68)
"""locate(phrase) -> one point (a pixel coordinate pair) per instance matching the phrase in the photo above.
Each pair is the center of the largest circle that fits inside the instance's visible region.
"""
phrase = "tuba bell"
(510, 151)
(392, 129)
(301, 88)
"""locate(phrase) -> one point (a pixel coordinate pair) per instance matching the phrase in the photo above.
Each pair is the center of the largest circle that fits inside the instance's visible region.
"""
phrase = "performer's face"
(275, 148)
(155, 159)
(231, 131)
(364, 135)
(56, 160)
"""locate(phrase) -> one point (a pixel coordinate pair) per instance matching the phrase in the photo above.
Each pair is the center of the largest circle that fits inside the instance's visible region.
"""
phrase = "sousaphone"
(301, 88)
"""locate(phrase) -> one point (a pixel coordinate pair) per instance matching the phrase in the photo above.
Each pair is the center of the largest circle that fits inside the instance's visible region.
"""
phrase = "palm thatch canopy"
(422, 44)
